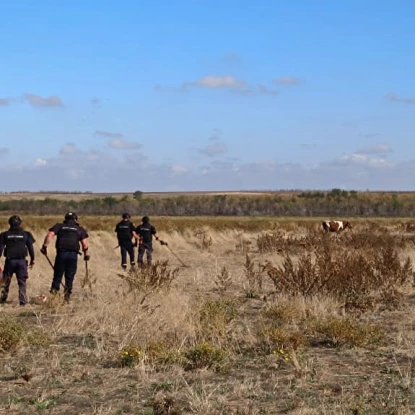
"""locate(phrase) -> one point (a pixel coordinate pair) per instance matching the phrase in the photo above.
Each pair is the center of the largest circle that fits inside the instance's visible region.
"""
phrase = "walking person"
(16, 243)
(125, 233)
(69, 236)
(145, 233)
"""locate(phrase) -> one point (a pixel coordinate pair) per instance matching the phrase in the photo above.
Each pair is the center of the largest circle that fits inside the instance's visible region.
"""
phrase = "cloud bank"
(105, 171)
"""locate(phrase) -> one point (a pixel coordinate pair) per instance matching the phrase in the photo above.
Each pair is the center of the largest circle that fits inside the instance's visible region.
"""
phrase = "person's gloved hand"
(32, 262)
(86, 257)
(44, 250)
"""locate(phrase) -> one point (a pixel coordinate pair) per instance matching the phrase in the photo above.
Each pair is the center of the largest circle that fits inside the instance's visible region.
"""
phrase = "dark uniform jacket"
(68, 235)
(124, 231)
(17, 243)
(146, 232)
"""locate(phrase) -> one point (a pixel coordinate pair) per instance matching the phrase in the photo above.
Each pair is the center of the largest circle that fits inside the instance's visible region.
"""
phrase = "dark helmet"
(126, 216)
(15, 220)
(71, 216)
(146, 219)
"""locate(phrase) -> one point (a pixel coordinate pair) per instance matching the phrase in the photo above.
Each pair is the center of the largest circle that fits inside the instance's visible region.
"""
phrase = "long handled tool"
(86, 280)
(50, 263)
(178, 258)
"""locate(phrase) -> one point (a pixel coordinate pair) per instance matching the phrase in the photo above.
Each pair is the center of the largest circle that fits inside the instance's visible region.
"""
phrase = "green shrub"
(204, 355)
(12, 333)
(272, 338)
(346, 332)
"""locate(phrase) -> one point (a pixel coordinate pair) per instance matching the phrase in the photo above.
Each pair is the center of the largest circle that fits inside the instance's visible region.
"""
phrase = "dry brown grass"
(190, 340)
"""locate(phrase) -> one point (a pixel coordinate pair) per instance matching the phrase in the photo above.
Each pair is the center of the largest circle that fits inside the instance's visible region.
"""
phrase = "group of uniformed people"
(143, 238)
(16, 243)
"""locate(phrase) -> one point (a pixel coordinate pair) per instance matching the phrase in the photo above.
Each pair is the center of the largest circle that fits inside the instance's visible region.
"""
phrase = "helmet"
(126, 216)
(71, 216)
(146, 219)
(15, 220)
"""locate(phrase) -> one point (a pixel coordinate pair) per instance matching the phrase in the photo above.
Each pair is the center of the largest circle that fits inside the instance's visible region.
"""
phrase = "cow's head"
(347, 224)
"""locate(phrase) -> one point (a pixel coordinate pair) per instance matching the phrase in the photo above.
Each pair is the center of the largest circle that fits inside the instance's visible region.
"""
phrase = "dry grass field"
(84, 196)
(237, 316)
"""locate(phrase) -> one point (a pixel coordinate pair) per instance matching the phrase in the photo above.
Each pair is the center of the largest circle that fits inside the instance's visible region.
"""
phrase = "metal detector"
(177, 257)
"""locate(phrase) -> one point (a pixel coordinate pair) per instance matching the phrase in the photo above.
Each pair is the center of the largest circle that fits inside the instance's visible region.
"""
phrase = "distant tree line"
(336, 203)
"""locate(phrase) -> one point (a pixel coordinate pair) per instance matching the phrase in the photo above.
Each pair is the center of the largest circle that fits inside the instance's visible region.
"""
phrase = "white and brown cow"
(336, 225)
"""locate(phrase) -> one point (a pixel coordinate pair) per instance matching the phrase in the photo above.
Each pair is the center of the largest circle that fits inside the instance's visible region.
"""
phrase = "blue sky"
(115, 96)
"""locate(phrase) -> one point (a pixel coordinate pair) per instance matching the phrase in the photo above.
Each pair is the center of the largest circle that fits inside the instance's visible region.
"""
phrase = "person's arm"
(85, 246)
(49, 236)
(29, 245)
(136, 237)
(154, 233)
(1, 243)
(84, 243)
(85, 249)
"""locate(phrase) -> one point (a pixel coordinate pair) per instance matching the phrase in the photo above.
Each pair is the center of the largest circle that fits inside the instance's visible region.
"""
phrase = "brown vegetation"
(334, 203)
(296, 321)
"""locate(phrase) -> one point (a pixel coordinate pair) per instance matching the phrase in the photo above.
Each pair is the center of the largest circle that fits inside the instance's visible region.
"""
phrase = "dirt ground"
(80, 372)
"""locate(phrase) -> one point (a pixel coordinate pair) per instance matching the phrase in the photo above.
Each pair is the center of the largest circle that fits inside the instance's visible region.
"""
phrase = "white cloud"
(68, 148)
(92, 155)
(75, 173)
(102, 171)
(392, 97)
(232, 58)
(288, 81)
(375, 149)
(214, 149)
(216, 82)
(108, 134)
(226, 82)
(262, 89)
(38, 101)
(216, 134)
(358, 159)
(179, 170)
(120, 144)
(40, 162)
(5, 101)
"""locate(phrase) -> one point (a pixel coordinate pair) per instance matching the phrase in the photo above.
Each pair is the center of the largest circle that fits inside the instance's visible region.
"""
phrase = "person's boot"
(67, 296)
(124, 266)
(3, 297)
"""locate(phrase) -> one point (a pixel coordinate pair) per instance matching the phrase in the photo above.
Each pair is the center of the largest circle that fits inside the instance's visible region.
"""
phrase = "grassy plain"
(235, 331)
(152, 195)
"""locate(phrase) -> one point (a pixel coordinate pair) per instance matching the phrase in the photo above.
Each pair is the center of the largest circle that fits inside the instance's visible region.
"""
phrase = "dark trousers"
(18, 267)
(126, 247)
(66, 263)
(145, 248)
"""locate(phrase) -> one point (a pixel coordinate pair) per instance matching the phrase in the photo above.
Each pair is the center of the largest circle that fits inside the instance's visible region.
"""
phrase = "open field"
(79, 196)
(268, 316)
(84, 196)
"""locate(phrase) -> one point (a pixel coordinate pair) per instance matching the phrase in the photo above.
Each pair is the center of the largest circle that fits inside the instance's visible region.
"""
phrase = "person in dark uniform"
(68, 236)
(16, 243)
(125, 234)
(145, 233)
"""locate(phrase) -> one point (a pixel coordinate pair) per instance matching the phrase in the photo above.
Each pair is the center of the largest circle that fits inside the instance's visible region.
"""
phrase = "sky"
(208, 95)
